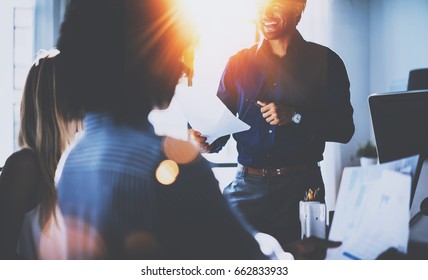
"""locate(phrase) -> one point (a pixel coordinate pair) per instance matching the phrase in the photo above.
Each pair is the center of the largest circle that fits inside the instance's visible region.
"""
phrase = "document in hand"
(372, 210)
(208, 115)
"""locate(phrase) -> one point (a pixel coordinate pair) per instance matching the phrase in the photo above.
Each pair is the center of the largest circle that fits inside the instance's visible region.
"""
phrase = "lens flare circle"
(167, 172)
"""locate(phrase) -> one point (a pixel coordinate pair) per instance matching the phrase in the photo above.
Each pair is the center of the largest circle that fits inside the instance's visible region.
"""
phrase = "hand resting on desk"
(312, 248)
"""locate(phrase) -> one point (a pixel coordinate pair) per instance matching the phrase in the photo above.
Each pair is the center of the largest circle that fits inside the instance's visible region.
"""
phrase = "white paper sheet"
(208, 115)
(372, 210)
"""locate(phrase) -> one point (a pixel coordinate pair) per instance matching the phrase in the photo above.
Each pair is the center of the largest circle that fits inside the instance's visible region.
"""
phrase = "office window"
(23, 42)
(22, 45)
(23, 30)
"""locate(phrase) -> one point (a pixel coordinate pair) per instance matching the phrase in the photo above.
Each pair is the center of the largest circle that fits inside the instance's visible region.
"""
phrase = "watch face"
(297, 118)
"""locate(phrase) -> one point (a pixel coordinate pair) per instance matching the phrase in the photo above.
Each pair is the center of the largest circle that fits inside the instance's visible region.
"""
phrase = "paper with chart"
(372, 210)
(208, 115)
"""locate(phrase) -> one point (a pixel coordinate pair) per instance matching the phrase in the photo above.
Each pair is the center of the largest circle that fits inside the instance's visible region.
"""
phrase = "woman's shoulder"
(22, 159)
(21, 164)
(20, 177)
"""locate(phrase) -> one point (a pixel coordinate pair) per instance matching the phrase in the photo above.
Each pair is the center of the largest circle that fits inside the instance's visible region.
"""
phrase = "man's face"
(277, 18)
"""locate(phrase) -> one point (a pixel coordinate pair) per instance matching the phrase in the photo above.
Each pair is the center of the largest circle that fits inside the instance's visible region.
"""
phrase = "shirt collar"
(95, 121)
(296, 44)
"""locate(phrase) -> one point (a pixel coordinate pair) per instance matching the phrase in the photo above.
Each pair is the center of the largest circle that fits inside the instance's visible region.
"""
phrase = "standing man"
(295, 96)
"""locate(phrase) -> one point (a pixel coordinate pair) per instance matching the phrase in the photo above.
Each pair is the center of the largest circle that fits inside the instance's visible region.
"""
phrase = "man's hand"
(311, 248)
(276, 114)
(392, 254)
(196, 138)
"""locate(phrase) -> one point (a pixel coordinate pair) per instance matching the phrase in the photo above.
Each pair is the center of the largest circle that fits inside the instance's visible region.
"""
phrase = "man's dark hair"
(120, 57)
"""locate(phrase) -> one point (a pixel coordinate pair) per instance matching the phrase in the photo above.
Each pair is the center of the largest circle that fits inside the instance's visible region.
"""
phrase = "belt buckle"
(265, 172)
(270, 173)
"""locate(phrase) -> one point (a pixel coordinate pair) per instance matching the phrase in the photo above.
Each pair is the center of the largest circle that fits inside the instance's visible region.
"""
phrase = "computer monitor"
(400, 123)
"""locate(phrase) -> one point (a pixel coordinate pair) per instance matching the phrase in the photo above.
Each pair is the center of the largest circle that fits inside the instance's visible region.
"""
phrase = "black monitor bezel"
(397, 97)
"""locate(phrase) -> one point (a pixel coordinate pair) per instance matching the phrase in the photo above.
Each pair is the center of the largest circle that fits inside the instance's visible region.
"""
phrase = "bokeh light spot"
(142, 245)
(53, 239)
(167, 172)
(181, 152)
(84, 241)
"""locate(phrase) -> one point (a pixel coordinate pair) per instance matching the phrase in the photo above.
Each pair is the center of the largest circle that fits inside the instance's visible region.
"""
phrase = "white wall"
(398, 42)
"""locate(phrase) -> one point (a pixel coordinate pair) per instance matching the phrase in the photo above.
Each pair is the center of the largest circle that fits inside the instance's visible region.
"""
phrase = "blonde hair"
(43, 130)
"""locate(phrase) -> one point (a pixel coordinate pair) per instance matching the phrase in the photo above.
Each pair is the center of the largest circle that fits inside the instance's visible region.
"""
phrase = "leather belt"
(272, 172)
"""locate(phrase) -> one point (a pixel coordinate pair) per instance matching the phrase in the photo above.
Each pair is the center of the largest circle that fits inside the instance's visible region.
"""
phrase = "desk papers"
(208, 115)
(372, 210)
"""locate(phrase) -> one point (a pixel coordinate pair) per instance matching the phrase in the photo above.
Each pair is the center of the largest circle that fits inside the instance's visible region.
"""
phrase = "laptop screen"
(400, 123)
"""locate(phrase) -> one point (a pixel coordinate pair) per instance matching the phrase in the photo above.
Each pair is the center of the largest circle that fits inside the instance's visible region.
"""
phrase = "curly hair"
(121, 57)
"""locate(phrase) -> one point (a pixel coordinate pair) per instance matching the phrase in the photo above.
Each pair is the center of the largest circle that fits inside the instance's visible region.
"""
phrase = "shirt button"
(275, 84)
(268, 155)
(270, 131)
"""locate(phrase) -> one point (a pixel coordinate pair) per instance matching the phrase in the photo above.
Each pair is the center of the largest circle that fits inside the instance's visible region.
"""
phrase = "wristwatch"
(296, 118)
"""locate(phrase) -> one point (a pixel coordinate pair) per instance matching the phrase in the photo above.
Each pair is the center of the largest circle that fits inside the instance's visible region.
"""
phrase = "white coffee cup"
(312, 219)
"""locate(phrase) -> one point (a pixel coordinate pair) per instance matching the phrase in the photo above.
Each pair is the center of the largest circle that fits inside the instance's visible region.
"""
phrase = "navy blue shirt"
(310, 78)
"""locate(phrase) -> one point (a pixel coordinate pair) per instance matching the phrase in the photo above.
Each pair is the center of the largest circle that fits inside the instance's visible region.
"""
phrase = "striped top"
(126, 193)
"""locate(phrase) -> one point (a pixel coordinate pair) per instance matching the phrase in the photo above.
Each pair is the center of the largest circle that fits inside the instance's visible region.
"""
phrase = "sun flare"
(207, 13)
(222, 28)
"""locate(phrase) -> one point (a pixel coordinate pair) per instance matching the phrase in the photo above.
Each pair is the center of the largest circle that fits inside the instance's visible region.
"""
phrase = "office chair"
(418, 79)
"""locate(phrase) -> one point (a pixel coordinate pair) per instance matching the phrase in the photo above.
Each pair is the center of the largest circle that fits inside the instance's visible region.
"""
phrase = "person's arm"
(334, 119)
(200, 141)
(17, 183)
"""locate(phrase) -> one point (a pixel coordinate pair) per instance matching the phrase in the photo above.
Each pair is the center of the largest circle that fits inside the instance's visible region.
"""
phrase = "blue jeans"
(271, 204)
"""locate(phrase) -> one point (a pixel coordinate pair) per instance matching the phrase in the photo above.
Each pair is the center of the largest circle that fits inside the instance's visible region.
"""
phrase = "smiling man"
(295, 96)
